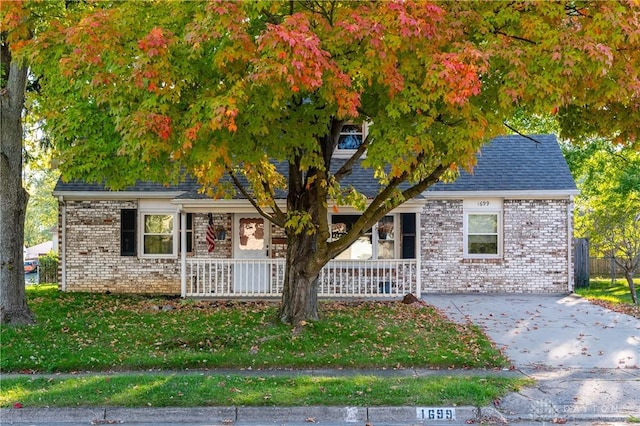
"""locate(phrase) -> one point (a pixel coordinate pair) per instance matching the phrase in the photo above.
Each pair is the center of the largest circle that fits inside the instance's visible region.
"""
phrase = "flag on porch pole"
(211, 234)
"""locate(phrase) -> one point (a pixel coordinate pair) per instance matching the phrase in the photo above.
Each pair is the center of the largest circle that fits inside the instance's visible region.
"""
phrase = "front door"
(251, 272)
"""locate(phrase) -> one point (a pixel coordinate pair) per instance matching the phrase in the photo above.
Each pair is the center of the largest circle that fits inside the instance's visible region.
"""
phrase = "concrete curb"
(288, 415)
(229, 415)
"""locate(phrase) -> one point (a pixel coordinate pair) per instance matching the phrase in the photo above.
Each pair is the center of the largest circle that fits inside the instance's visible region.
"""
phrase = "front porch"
(264, 278)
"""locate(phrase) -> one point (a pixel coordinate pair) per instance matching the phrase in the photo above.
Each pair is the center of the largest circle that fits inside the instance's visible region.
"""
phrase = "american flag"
(211, 234)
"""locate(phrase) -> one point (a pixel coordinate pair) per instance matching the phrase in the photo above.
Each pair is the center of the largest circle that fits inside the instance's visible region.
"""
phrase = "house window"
(350, 139)
(189, 231)
(483, 228)
(381, 242)
(351, 136)
(386, 238)
(128, 232)
(158, 234)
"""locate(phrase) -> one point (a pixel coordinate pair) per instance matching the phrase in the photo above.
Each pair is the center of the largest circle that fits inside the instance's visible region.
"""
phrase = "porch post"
(183, 253)
(418, 257)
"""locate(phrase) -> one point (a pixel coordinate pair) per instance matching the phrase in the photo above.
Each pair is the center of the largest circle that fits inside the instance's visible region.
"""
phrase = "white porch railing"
(265, 278)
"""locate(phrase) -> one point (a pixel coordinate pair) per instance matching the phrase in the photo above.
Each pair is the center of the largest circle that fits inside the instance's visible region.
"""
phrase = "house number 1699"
(483, 203)
(435, 413)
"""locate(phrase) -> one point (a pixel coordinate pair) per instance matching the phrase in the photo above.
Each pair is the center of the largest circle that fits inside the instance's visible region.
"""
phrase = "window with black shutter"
(128, 220)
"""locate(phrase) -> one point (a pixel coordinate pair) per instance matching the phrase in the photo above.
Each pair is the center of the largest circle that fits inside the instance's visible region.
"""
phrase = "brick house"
(505, 228)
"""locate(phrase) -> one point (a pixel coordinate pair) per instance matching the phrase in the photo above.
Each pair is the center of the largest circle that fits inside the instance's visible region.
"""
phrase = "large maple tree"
(157, 89)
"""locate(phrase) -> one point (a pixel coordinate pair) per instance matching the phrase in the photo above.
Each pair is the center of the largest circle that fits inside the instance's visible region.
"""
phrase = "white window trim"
(396, 239)
(141, 234)
(482, 206)
(348, 153)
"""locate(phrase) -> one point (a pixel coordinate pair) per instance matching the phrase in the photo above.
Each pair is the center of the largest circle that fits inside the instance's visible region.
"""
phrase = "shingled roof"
(507, 163)
(515, 163)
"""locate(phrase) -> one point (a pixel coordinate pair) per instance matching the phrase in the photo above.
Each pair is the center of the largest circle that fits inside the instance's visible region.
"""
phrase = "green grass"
(218, 390)
(615, 296)
(97, 332)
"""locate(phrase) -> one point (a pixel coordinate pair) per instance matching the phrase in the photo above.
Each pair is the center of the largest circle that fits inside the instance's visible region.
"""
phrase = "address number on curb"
(433, 413)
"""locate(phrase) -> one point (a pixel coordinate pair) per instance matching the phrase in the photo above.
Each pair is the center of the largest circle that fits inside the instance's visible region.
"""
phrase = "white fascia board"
(244, 206)
(533, 194)
(219, 206)
(409, 206)
(116, 195)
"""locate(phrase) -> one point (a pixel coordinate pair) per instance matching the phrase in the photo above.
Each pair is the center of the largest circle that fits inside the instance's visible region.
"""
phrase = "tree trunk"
(13, 197)
(632, 287)
(300, 292)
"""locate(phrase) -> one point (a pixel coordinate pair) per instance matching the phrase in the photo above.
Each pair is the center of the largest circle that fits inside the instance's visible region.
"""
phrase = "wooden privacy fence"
(581, 263)
(604, 267)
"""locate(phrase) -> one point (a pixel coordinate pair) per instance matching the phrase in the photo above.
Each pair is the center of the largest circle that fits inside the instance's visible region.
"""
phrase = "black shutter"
(408, 223)
(128, 221)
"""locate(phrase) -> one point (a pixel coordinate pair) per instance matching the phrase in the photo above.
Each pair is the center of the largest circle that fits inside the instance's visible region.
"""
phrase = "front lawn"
(614, 296)
(97, 332)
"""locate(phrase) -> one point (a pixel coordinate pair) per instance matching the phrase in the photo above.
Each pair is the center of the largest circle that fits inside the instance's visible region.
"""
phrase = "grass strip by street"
(100, 332)
(615, 296)
(176, 390)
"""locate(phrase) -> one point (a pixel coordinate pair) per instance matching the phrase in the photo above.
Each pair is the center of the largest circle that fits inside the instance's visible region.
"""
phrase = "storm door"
(251, 271)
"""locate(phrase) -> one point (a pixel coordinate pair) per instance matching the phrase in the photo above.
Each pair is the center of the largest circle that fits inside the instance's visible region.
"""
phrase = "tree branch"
(514, 37)
(513, 129)
(277, 219)
(347, 167)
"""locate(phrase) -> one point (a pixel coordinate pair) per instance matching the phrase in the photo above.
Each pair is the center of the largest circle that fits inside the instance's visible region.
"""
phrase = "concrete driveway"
(585, 358)
(549, 330)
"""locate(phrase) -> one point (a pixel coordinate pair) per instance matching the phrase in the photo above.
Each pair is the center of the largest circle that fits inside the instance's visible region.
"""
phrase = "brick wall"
(534, 256)
(534, 250)
(224, 247)
(92, 253)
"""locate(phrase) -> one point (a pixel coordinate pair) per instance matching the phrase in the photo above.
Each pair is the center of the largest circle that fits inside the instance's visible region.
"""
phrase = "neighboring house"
(34, 252)
(506, 228)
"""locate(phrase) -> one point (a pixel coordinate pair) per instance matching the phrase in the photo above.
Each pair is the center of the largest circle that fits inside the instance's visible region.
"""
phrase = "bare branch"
(347, 167)
(275, 219)
(513, 129)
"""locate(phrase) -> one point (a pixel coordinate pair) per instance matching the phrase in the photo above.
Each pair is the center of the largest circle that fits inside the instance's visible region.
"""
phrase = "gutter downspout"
(183, 253)
(418, 255)
(570, 283)
(63, 244)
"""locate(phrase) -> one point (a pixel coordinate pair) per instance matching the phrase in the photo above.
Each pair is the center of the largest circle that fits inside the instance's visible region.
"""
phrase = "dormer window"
(351, 137)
